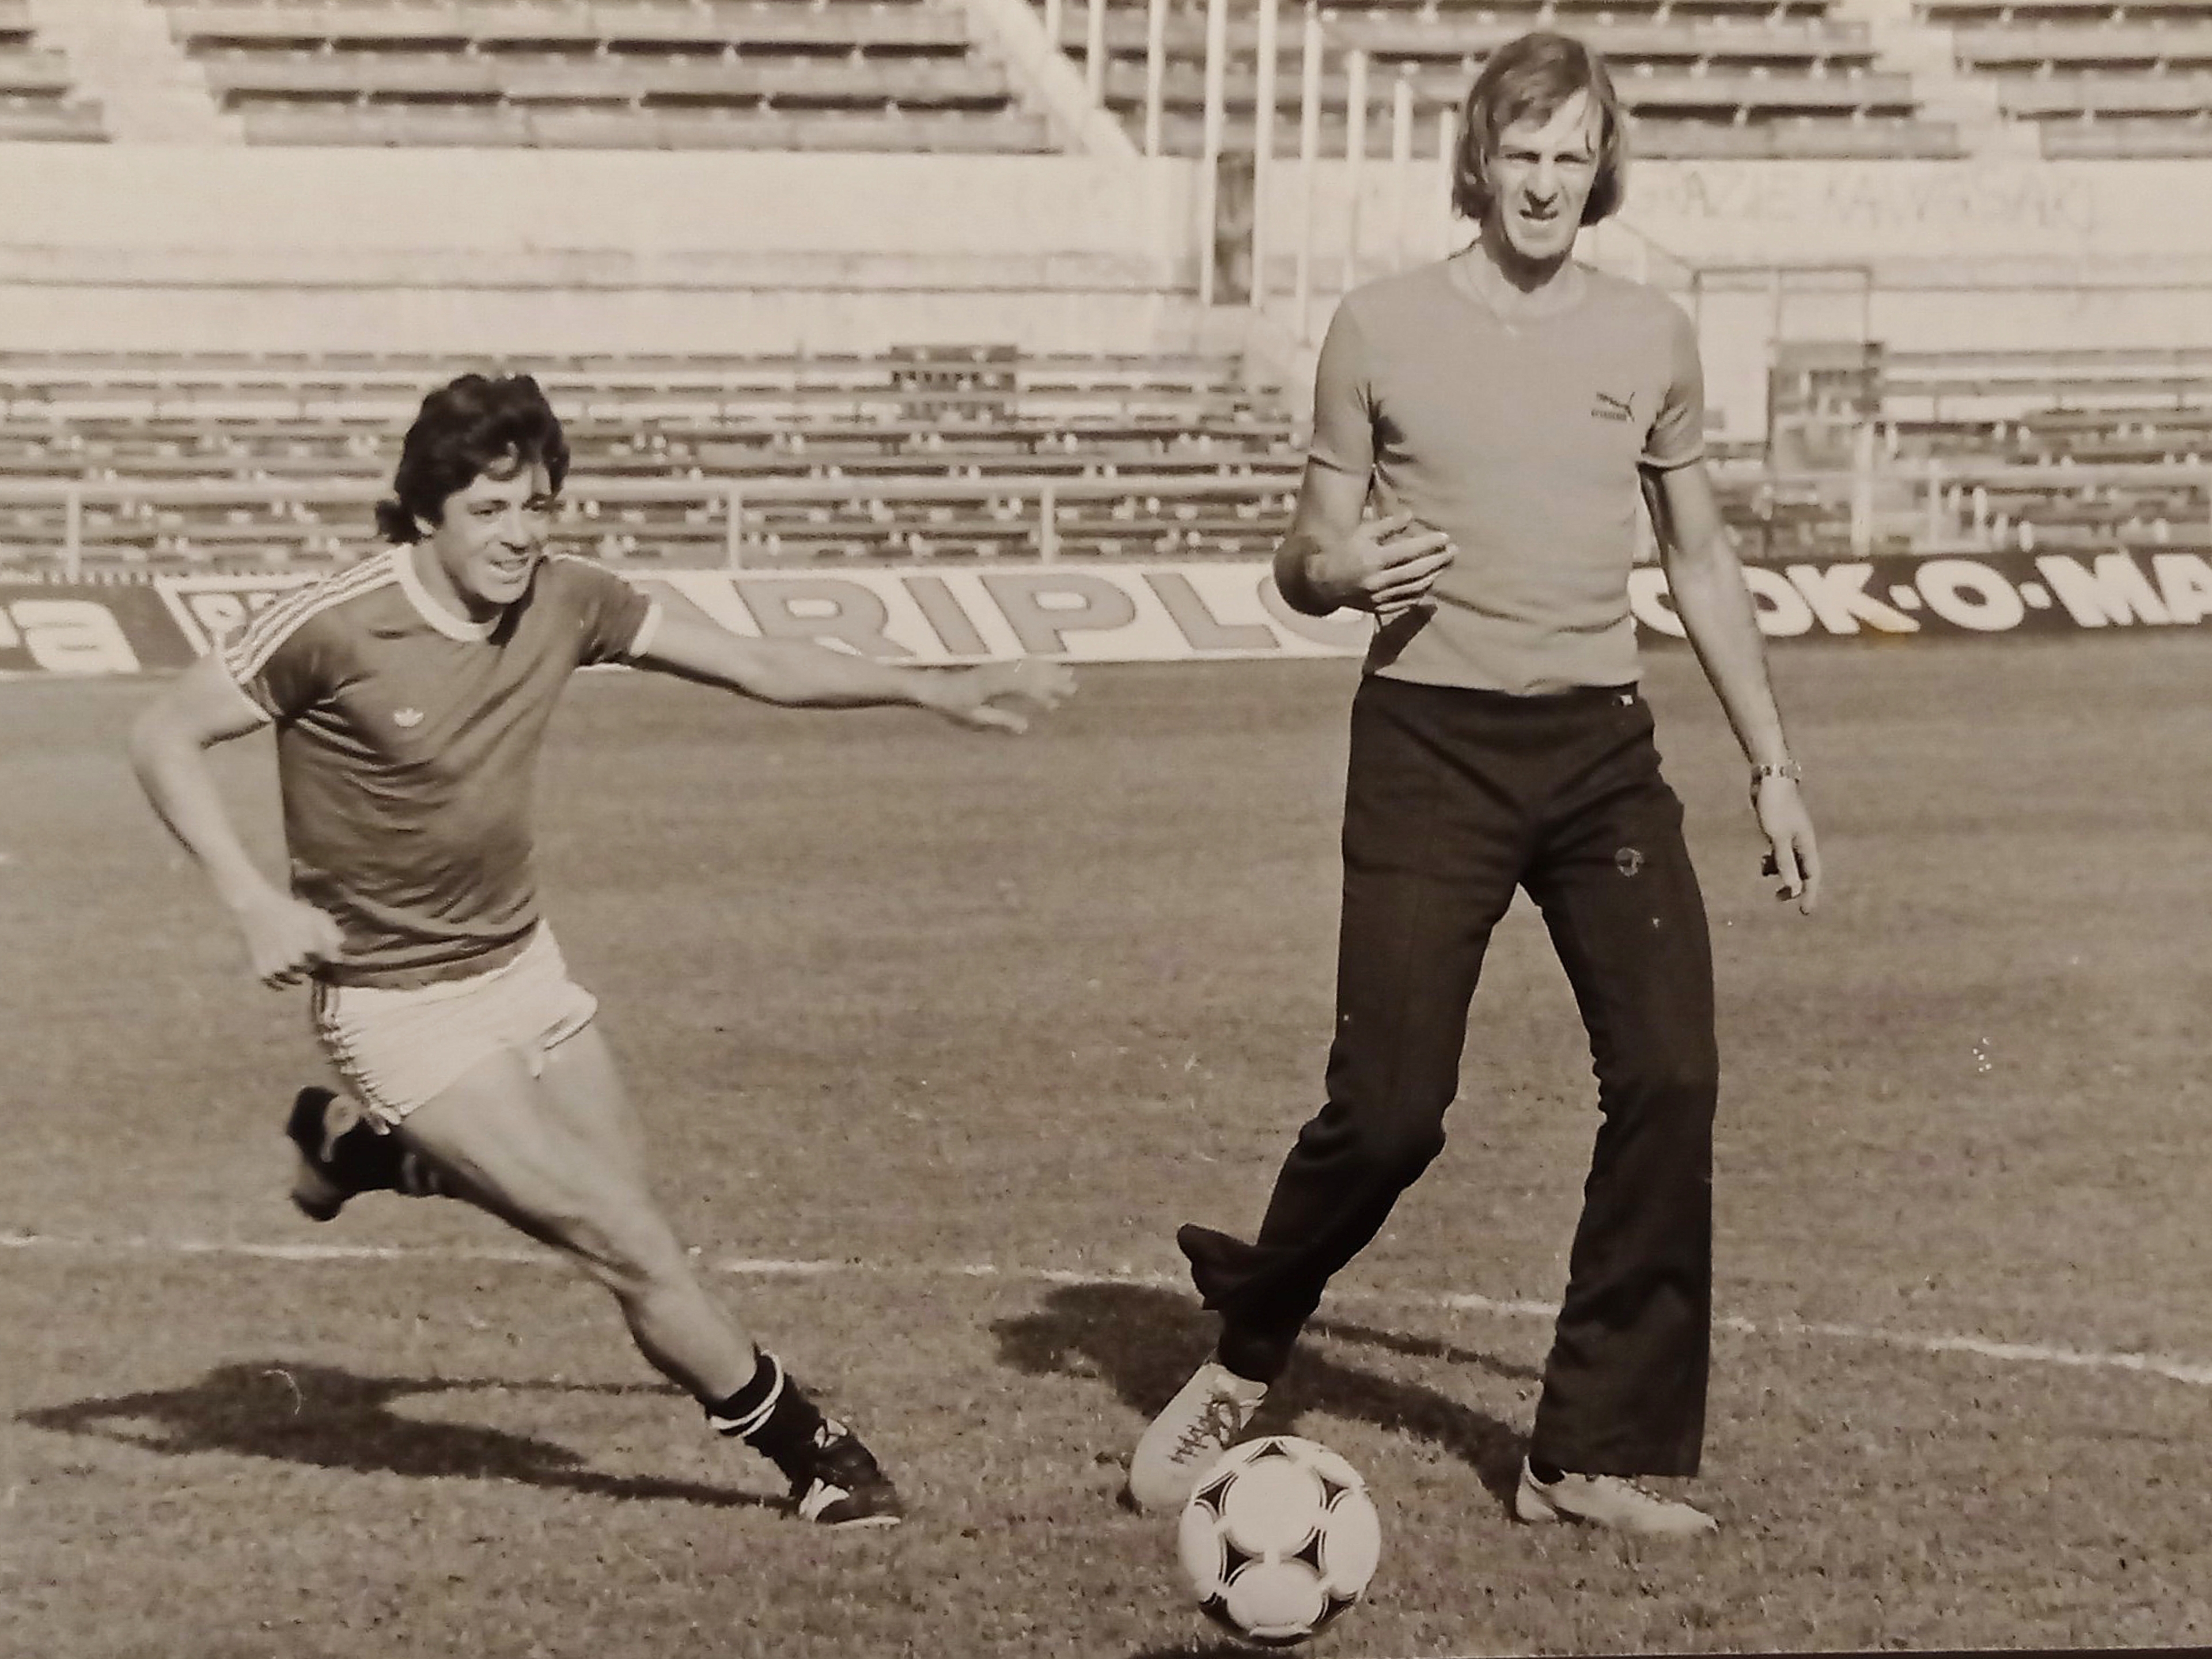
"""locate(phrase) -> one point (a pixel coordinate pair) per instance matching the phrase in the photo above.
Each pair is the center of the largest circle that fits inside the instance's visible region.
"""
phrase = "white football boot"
(1607, 1500)
(1190, 1435)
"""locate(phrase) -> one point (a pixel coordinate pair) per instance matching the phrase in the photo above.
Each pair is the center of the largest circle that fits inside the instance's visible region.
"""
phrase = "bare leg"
(510, 1144)
(585, 1093)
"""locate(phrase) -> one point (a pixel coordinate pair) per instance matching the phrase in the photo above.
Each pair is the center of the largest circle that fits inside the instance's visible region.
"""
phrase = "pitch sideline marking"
(2196, 1373)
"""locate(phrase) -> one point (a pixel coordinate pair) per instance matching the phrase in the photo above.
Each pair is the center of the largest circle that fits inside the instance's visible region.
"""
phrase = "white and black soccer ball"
(1279, 1540)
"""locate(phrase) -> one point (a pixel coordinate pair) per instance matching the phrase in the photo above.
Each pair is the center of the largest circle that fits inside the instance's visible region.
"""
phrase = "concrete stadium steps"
(1777, 137)
(250, 461)
(1720, 95)
(2105, 80)
(987, 426)
(41, 97)
(2056, 385)
(1460, 39)
(845, 75)
(152, 536)
(2004, 13)
(2048, 48)
(2087, 449)
(1703, 78)
(1718, 78)
(349, 381)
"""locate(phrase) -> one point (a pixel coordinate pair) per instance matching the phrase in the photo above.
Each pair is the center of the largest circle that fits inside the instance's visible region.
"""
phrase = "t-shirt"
(407, 737)
(1522, 442)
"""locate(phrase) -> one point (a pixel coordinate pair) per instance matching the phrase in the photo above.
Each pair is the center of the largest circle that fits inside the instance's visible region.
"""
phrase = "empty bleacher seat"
(1140, 449)
(876, 74)
(1716, 77)
(39, 97)
(2121, 137)
(2117, 79)
(994, 419)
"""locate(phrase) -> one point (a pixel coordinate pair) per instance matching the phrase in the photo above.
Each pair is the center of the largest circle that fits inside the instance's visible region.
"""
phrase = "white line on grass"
(2196, 1373)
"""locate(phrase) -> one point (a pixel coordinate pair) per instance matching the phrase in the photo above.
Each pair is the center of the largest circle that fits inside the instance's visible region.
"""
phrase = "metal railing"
(1940, 507)
(1393, 207)
(739, 508)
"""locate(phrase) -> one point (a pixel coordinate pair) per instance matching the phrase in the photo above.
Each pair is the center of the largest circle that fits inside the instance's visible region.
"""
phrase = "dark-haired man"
(410, 694)
(1506, 406)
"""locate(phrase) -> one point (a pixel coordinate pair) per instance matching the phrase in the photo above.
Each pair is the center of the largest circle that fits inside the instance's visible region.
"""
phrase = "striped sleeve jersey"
(407, 737)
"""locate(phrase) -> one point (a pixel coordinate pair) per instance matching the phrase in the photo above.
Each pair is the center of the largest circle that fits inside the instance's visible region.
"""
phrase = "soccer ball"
(1279, 1540)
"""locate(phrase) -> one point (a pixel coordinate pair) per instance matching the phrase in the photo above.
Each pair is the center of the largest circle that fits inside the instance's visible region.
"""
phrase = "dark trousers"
(1454, 800)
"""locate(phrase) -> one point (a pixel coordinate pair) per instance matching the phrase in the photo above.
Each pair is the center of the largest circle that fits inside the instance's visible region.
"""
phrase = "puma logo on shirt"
(1610, 408)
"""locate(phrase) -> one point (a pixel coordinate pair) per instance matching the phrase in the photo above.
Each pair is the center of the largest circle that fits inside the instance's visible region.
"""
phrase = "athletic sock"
(1252, 1360)
(416, 1179)
(772, 1414)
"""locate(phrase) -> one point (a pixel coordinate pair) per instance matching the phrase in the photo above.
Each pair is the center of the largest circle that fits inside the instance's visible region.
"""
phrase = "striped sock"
(770, 1414)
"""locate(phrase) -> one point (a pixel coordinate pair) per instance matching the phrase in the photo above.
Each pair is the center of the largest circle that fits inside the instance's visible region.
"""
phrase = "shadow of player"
(1143, 1341)
(330, 1418)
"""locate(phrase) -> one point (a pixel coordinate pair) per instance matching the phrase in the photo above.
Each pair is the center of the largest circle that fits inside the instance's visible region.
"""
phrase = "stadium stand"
(838, 74)
(987, 426)
(38, 98)
(1701, 77)
(2116, 79)
(269, 461)
(2053, 448)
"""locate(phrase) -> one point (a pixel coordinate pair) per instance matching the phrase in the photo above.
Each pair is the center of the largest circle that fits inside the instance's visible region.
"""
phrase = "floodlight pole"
(1309, 160)
(1263, 150)
(1862, 508)
(1094, 51)
(733, 532)
(1209, 182)
(1401, 156)
(1156, 60)
(1355, 158)
(1446, 131)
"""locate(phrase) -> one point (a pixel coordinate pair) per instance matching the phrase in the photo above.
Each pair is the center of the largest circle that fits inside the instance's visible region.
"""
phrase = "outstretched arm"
(799, 673)
(202, 707)
(1706, 581)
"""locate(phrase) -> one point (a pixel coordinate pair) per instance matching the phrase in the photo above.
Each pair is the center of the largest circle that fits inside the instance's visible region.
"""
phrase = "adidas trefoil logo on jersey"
(407, 719)
(1610, 408)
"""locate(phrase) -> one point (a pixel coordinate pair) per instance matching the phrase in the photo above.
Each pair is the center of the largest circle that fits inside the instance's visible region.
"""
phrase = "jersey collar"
(432, 611)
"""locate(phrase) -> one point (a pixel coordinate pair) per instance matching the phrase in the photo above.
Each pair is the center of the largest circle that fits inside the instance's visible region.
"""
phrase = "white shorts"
(398, 1048)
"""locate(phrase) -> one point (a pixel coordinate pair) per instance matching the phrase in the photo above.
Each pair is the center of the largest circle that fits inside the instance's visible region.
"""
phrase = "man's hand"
(1788, 828)
(286, 937)
(1386, 566)
(978, 696)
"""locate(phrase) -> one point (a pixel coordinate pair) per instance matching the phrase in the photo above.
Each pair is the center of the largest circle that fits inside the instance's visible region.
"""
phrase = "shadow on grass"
(333, 1420)
(1144, 1341)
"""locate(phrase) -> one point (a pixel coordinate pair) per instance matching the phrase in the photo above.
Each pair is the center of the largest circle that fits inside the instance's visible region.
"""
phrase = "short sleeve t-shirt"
(1523, 443)
(407, 738)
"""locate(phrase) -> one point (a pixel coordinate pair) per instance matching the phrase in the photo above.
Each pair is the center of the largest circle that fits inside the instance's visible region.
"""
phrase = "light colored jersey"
(1522, 443)
(407, 737)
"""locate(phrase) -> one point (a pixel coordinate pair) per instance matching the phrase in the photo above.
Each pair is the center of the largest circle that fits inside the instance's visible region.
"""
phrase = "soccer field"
(939, 1035)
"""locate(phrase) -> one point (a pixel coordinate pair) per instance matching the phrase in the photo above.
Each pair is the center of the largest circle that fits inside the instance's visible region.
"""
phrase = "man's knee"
(619, 1238)
(1404, 1151)
(1375, 1147)
(1673, 1082)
